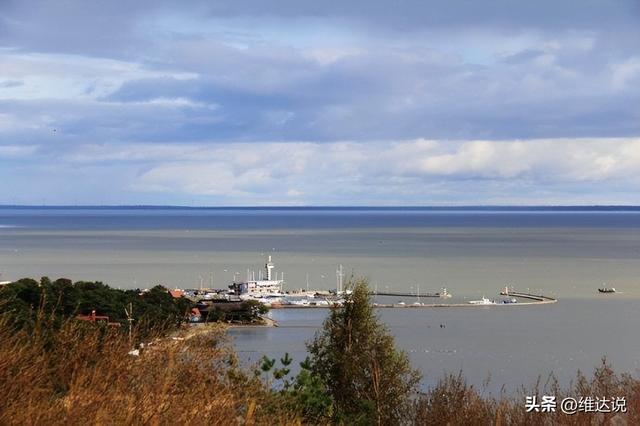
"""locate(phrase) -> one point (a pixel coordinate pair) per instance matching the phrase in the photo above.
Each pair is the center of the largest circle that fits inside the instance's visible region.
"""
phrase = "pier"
(539, 298)
(405, 294)
(532, 299)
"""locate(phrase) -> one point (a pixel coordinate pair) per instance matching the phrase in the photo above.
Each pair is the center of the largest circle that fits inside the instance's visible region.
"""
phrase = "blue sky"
(319, 103)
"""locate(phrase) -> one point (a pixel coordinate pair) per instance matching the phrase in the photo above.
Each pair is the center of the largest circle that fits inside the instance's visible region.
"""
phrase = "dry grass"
(83, 374)
(454, 402)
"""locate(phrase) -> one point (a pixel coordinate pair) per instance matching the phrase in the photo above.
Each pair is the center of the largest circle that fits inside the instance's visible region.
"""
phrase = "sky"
(264, 102)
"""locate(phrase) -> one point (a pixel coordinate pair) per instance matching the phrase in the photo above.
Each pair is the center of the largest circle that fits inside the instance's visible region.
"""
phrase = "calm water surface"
(504, 346)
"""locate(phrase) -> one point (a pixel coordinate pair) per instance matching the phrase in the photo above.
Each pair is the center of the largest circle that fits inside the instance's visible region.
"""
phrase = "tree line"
(25, 300)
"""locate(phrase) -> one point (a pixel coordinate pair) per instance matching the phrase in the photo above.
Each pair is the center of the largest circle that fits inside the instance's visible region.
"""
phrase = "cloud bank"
(409, 172)
(285, 102)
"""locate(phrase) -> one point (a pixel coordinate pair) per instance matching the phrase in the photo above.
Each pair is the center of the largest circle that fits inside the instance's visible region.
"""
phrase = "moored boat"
(483, 301)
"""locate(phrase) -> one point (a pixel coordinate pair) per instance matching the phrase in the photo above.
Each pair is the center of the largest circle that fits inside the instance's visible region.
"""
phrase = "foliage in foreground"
(77, 372)
(354, 355)
(83, 374)
(454, 402)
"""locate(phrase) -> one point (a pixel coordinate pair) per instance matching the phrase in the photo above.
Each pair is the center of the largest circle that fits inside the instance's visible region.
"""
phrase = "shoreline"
(268, 323)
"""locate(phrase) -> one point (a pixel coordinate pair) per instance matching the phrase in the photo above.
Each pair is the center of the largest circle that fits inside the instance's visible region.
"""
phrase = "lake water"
(473, 252)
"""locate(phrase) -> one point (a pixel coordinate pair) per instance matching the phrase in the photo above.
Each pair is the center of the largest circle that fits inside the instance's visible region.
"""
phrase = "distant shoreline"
(506, 208)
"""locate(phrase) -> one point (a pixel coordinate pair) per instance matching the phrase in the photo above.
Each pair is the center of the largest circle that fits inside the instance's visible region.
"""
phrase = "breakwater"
(531, 299)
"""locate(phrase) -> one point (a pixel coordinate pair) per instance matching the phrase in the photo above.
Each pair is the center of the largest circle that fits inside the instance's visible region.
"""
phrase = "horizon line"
(323, 206)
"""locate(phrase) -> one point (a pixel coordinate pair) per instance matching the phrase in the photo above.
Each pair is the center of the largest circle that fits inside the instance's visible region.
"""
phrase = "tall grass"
(80, 374)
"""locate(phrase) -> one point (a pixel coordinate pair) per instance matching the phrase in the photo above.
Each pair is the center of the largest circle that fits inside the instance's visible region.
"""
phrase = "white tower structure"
(339, 277)
(269, 267)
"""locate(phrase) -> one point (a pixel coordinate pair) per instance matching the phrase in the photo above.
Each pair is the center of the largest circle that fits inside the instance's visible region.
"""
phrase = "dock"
(532, 299)
(404, 294)
(539, 298)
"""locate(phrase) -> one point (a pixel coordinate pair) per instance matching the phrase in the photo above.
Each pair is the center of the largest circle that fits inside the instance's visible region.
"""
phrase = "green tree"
(20, 302)
(24, 301)
(305, 395)
(310, 395)
(255, 308)
(369, 380)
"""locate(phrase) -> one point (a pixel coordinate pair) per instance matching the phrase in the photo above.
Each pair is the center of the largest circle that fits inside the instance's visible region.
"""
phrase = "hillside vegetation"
(63, 371)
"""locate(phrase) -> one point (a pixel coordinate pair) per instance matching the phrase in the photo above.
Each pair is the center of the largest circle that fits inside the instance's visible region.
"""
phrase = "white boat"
(297, 302)
(483, 301)
(444, 294)
(301, 293)
(267, 300)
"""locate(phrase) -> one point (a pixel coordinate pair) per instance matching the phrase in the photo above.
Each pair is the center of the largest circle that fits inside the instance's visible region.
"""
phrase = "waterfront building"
(259, 287)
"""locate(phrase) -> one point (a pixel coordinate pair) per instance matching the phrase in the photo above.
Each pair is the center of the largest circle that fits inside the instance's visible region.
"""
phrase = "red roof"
(93, 318)
(177, 293)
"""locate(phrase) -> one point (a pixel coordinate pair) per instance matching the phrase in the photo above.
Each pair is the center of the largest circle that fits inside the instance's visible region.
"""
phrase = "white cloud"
(560, 160)
(58, 76)
(622, 74)
(17, 151)
(394, 170)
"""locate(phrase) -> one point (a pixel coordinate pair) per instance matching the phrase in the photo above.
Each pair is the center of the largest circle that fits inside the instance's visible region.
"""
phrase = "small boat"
(297, 302)
(483, 301)
(607, 290)
(444, 293)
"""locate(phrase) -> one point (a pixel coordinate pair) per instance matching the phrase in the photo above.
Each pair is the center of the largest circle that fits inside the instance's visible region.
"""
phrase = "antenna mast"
(129, 313)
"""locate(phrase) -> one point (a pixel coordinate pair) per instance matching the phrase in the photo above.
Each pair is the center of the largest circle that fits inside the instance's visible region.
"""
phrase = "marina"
(268, 290)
